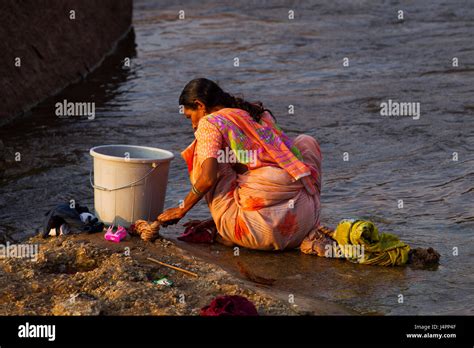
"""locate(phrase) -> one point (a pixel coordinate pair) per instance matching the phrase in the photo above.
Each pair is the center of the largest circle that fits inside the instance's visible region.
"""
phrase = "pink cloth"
(213, 140)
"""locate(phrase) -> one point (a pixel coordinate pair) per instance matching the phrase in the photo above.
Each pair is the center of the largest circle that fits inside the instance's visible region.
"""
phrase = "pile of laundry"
(69, 218)
(359, 241)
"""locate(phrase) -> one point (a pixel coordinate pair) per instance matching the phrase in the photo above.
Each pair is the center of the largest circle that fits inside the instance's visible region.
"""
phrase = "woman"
(262, 188)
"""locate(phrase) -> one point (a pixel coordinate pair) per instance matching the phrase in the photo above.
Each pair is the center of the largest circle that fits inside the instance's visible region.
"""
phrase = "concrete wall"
(55, 50)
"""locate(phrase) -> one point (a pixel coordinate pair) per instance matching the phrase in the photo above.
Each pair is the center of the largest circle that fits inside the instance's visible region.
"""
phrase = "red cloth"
(229, 306)
(196, 234)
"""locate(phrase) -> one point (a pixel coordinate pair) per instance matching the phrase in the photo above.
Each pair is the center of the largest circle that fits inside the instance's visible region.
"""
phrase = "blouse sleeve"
(209, 140)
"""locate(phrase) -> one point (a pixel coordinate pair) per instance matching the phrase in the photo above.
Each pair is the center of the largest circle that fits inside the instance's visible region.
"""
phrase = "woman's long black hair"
(210, 94)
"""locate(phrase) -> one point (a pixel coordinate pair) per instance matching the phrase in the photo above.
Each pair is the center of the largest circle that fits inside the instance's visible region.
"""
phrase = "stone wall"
(46, 45)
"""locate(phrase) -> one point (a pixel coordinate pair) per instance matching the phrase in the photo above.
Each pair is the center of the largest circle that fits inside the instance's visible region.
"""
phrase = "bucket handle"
(155, 165)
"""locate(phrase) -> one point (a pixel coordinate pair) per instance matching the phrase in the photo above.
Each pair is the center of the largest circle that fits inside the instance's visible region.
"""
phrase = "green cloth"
(359, 241)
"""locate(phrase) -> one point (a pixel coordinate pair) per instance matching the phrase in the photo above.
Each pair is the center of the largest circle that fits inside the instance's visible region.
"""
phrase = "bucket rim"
(94, 153)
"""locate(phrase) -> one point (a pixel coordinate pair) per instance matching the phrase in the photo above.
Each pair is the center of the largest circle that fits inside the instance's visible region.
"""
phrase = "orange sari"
(265, 208)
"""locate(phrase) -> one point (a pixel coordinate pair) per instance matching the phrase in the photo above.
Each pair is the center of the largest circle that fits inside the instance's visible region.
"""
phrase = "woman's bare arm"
(204, 183)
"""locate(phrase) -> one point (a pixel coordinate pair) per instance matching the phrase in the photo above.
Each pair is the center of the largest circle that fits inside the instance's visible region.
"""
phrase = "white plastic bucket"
(129, 182)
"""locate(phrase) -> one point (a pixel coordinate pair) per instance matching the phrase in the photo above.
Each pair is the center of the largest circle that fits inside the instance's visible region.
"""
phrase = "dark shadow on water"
(102, 87)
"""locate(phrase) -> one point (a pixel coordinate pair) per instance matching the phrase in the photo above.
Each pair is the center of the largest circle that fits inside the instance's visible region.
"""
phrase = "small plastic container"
(116, 236)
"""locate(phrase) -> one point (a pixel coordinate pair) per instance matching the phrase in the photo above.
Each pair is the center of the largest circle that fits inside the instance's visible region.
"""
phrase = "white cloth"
(87, 217)
(63, 229)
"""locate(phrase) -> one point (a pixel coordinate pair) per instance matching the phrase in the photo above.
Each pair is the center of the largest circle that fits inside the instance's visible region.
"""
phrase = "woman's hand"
(171, 216)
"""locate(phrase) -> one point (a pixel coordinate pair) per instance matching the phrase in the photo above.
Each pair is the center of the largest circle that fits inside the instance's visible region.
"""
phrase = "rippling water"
(296, 62)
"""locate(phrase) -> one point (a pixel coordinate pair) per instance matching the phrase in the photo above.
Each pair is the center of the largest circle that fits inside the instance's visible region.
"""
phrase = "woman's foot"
(326, 230)
(319, 242)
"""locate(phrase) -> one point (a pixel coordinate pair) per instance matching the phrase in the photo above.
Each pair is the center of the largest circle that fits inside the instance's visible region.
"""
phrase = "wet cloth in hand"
(384, 249)
(229, 306)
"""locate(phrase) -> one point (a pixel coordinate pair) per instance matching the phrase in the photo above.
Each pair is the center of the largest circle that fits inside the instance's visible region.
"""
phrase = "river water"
(297, 62)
